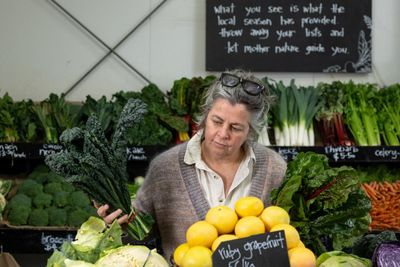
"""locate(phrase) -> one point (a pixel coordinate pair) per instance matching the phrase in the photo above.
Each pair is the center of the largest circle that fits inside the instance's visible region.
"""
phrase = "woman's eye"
(236, 129)
(218, 122)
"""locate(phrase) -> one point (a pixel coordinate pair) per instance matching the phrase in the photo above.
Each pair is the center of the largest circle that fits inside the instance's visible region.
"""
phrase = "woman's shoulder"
(171, 153)
(268, 153)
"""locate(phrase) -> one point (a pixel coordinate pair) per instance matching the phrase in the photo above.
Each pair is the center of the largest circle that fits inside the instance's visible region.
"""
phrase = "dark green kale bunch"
(99, 167)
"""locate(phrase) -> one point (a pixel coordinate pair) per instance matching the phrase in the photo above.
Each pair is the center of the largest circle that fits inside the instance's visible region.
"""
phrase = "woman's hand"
(108, 218)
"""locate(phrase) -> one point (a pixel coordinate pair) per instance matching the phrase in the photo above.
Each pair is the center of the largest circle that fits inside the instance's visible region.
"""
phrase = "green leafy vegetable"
(326, 204)
(99, 167)
(342, 259)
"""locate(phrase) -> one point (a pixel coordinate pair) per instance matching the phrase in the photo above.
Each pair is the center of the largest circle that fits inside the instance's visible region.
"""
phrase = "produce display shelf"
(337, 154)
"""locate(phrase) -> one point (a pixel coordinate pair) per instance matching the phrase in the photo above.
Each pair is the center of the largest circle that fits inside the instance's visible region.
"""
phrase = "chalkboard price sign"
(289, 36)
(262, 250)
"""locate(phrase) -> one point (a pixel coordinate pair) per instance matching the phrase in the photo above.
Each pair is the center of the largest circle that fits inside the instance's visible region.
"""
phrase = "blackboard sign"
(289, 36)
(262, 250)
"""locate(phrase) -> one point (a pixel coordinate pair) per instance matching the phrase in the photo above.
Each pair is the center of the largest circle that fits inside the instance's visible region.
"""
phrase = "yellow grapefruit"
(223, 218)
(179, 252)
(291, 234)
(222, 238)
(197, 256)
(249, 206)
(274, 215)
(249, 225)
(301, 257)
(201, 233)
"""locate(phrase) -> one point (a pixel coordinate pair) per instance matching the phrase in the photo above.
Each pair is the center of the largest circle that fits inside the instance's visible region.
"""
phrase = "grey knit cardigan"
(172, 194)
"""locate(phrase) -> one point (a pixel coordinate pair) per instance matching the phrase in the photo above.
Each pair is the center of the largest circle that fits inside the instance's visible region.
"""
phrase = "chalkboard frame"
(357, 26)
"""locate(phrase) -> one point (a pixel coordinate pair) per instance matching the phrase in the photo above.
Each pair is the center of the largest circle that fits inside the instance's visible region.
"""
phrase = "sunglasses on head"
(250, 87)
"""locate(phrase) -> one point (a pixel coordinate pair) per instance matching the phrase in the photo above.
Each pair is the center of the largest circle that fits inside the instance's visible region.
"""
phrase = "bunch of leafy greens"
(56, 115)
(99, 167)
(17, 122)
(389, 114)
(361, 114)
(325, 204)
(330, 116)
(158, 124)
(104, 110)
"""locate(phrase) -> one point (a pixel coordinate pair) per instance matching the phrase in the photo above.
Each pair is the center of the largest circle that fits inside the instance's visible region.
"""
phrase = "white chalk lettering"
(315, 49)
(337, 33)
(248, 49)
(339, 50)
(323, 21)
(252, 9)
(312, 9)
(282, 34)
(275, 9)
(257, 21)
(313, 32)
(226, 21)
(286, 48)
(224, 9)
(230, 33)
(261, 33)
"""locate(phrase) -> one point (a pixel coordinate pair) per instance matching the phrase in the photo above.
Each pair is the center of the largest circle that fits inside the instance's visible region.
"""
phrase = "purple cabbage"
(387, 254)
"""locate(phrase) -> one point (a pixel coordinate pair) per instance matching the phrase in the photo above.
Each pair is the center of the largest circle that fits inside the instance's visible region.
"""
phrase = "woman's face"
(226, 129)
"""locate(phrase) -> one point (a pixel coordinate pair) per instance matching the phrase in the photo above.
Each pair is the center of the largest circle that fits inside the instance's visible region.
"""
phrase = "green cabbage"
(132, 256)
(341, 259)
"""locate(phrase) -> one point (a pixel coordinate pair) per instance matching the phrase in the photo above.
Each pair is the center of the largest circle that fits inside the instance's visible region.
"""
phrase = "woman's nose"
(224, 132)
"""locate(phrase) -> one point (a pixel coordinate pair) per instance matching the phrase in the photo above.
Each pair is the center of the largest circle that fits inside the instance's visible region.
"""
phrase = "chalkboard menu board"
(289, 36)
(261, 250)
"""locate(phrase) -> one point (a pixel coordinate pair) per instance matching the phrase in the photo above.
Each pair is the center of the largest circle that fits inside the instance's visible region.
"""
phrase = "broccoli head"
(79, 199)
(61, 199)
(38, 217)
(19, 200)
(18, 215)
(42, 200)
(77, 216)
(52, 188)
(57, 216)
(30, 187)
(68, 187)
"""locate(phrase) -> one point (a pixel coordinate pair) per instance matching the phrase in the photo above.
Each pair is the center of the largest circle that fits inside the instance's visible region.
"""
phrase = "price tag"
(136, 154)
(288, 153)
(387, 153)
(51, 243)
(340, 153)
(11, 150)
(48, 149)
(262, 250)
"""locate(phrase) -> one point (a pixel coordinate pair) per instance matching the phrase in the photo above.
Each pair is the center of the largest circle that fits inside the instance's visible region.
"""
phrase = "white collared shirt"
(211, 183)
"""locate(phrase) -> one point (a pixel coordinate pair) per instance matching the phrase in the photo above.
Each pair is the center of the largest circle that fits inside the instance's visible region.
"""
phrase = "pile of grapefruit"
(249, 217)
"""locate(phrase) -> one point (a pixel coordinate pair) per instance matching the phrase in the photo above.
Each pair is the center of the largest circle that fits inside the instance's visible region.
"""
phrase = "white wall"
(43, 51)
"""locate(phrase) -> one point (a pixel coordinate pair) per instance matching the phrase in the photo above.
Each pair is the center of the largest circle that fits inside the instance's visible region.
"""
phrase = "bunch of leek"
(293, 114)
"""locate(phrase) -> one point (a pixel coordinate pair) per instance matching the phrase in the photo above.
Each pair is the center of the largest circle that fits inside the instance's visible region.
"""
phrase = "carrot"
(385, 204)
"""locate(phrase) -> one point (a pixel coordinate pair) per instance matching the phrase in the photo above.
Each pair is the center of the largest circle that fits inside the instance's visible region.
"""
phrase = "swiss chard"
(323, 202)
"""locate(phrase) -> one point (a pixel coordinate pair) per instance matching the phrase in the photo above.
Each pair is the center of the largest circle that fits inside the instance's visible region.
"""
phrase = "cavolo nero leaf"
(98, 166)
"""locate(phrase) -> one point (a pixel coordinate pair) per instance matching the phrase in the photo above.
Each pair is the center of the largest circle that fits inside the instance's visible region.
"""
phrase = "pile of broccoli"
(45, 199)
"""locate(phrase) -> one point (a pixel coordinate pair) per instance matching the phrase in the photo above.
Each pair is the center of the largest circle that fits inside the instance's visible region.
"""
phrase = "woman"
(217, 166)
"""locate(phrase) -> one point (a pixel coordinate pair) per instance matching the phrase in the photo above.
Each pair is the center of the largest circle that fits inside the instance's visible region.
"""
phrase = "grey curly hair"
(257, 105)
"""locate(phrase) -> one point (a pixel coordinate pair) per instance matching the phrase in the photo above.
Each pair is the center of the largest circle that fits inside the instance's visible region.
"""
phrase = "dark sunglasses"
(250, 87)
